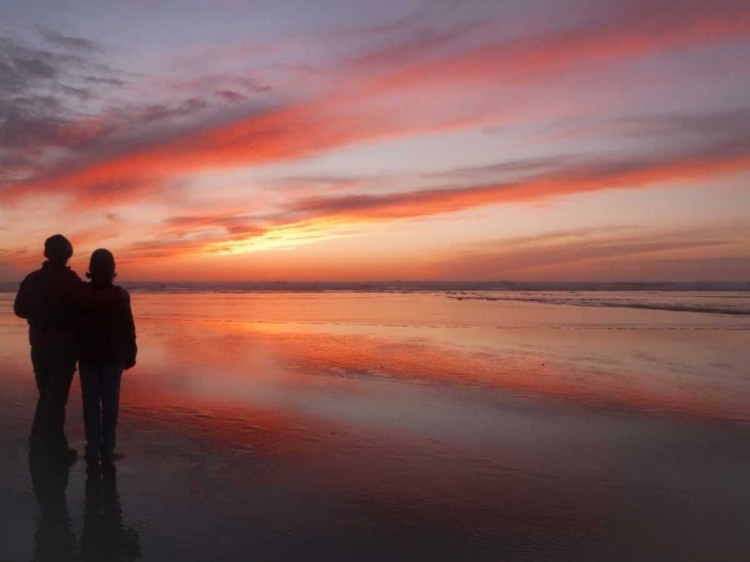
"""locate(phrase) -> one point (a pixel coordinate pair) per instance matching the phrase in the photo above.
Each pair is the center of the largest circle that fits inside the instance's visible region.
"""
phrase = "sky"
(346, 140)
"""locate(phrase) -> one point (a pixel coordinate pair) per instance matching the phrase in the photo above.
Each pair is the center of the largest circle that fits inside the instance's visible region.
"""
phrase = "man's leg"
(40, 362)
(111, 377)
(62, 369)
(54, 537)
(91, 393)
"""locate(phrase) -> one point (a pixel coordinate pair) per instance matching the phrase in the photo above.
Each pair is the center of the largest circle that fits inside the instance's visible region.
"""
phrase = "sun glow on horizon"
(285, 238)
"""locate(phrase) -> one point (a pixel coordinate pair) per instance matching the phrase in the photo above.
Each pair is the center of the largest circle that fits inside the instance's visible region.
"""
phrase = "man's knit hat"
(58, 249)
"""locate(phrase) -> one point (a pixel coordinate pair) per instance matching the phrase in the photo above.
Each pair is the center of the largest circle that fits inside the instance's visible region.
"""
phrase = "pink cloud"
(359, 107)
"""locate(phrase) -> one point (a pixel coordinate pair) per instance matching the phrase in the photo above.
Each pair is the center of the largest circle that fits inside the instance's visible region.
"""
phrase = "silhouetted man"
(54, 537)
(47, 299)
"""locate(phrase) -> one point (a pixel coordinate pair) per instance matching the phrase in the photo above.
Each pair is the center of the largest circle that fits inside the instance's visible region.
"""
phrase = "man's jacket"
(49, 299)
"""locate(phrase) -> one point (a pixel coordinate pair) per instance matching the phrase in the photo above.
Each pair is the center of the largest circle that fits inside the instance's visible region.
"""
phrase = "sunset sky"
(401, 139)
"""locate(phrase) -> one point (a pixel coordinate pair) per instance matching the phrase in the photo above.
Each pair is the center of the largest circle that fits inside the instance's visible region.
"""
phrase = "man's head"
(58, 249)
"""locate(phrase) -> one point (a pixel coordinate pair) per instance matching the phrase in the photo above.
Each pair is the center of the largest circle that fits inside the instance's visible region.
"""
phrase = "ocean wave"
(419, 286)
(735, 304)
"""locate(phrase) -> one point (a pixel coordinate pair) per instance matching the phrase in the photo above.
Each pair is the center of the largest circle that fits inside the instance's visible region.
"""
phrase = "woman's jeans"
(100, 386)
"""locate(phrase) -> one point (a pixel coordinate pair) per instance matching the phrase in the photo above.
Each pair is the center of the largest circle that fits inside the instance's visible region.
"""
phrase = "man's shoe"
(111, 456)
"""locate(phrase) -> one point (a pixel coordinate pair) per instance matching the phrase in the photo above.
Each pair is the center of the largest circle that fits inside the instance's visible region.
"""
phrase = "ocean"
(435, 421)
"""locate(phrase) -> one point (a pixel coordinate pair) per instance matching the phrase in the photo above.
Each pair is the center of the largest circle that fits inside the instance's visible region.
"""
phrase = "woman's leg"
(91, 391)
(112, 375)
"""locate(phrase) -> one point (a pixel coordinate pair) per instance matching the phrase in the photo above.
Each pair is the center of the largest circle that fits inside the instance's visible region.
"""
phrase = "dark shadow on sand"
(54, 537)
(104, 536)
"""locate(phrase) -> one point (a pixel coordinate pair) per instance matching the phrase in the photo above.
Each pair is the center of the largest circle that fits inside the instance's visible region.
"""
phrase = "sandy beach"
(364, 426)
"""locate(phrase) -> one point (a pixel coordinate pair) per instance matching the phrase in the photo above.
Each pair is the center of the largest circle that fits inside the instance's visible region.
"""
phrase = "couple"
(70, 320)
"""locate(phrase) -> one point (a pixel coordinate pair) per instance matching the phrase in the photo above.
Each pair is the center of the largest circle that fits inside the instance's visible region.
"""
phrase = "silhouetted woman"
(104, 536)
(106, 348)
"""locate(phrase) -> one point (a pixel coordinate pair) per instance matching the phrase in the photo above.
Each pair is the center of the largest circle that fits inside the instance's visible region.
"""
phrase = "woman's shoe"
(67, 457)
(91, 457)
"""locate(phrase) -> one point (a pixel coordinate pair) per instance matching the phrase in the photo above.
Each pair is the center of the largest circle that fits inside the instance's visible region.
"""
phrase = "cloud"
(40, 90)
(431, 81)
(642, 29)
(22, 67)
(332, 211)
(732, 125)
(531, 180)
(418, 44)
(525, 165)
(360, 107)
(230, 96)
(607, 254)
(205, 83)
(25, 69)
(70, 43)
(231, 233)
(109, 81)
(236, 52)
(159, 112)
(234, 224)
(577, 177)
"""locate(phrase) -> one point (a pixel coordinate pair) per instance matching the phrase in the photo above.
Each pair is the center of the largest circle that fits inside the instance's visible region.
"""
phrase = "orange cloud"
(575, 179)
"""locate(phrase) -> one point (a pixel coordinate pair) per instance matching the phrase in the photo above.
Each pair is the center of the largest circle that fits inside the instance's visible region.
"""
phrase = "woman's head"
(102, 266)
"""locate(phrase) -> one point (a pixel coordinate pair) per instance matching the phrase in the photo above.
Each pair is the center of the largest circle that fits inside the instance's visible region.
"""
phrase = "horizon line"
(460, 284)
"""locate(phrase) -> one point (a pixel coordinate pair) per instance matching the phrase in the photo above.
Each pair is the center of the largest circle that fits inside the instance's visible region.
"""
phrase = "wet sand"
(371, 427)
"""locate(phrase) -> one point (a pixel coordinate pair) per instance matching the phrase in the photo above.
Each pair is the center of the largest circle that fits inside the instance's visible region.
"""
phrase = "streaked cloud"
(70, 43)
(707, 253)
(566, 180)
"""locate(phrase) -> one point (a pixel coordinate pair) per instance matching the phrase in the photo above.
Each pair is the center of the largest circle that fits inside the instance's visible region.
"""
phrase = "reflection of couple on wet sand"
(92, 324)
(103, 538)
(71, 321)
